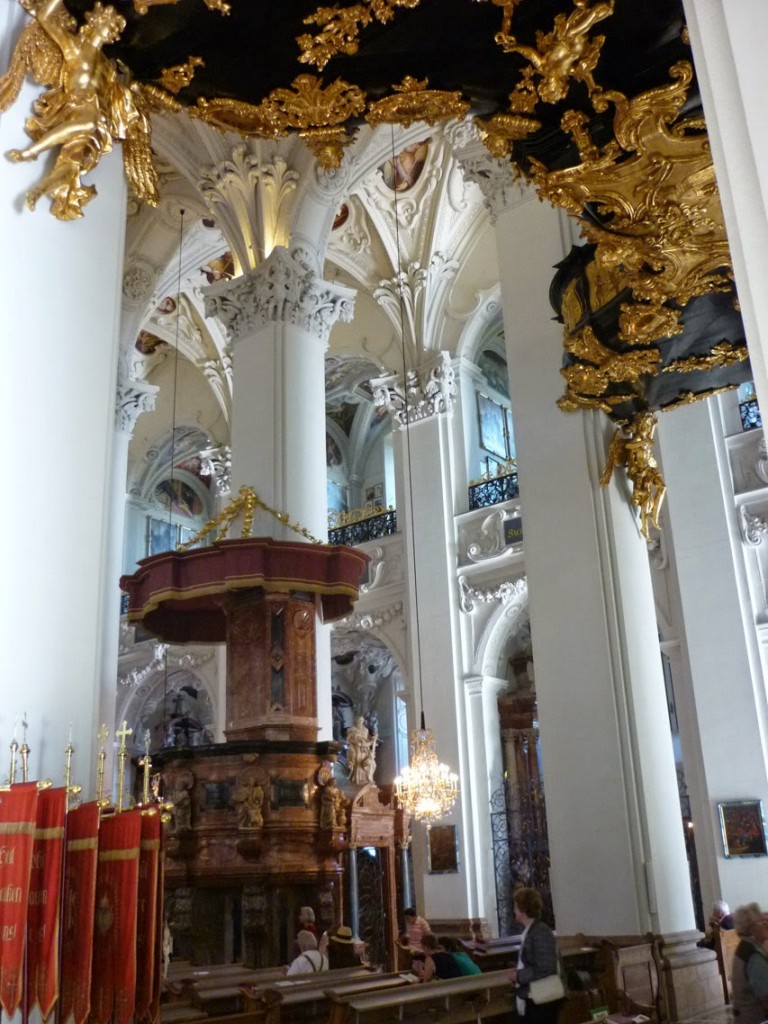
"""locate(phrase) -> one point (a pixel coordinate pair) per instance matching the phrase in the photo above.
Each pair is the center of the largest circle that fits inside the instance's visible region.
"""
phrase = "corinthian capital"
(280, 290)
(133, 399)
(497, 179)
(426, 392)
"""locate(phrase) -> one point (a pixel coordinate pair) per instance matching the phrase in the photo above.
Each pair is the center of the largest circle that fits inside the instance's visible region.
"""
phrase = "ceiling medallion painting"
(594, 102)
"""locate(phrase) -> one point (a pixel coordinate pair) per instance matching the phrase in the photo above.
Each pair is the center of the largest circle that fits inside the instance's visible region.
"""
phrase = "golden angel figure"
(85, 108)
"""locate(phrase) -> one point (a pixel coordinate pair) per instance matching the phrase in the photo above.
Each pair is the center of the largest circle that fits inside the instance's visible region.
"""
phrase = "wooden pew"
(300, 994)
(221, 992)
(725, 948)
(472, 998)
(630, 975)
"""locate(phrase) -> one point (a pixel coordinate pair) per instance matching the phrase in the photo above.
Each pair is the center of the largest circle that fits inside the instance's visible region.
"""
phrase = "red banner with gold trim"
(18, 817)
(78, 908)
(113, 982)
(154, 1008)
(147, 962)
(44, 897)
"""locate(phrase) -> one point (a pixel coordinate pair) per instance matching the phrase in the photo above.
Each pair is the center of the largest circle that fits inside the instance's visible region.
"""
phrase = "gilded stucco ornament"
(315, 111)
(659, 224)
(341, 26)
(86, 106)
(566, 52)
(632, 448)
(412, 101)
(596, 366)
(178, 77)
(142, 6)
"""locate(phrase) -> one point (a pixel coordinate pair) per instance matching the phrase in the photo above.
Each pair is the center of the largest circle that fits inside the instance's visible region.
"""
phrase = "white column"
(729, 40)
(486, 776)
(722, 707)
(61, 304)
(609, 772)
(278, 318)
(132, 400)
(425, 516)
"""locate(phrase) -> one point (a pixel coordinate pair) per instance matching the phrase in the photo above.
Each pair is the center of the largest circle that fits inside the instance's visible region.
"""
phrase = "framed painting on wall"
(742, 823)
(443, 850)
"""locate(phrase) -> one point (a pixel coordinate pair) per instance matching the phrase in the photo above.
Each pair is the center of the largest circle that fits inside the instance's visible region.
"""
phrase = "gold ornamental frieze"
(178, 77)
(412, 101)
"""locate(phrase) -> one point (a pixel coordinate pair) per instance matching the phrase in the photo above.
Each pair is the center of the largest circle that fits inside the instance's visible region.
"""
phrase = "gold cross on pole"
(122, 756)
(100, 759)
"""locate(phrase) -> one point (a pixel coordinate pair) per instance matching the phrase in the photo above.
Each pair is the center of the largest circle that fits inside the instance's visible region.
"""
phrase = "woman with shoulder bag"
(539, 988)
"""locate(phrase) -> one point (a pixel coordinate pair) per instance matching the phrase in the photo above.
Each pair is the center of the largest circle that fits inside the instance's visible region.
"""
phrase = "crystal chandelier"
(426, 789)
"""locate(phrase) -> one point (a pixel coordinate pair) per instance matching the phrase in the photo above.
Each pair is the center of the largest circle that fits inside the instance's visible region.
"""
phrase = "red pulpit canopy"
(178, 595)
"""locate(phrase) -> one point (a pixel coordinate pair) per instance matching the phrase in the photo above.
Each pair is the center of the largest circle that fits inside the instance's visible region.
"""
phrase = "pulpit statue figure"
(361, 755)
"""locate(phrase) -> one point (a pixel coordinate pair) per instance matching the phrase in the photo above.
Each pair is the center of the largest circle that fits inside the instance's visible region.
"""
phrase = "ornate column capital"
(281, 290)
(133, 398)
(496, 177)
(252, 200)
(217, 463)
(426, 392)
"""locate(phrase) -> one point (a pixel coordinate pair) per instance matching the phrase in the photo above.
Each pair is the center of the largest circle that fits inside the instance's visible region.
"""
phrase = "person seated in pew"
(437, 963)
(416, 928)
(466, 964)
(722, 918)
(310, 958)
(343, 951)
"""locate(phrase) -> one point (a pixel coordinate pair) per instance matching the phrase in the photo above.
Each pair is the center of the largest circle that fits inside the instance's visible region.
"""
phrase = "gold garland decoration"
(341, 26)
(246, 504)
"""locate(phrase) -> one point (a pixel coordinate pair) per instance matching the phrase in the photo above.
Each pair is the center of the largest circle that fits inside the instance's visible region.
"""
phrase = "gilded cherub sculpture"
(86, 107)
(633, 448)
(564, 53)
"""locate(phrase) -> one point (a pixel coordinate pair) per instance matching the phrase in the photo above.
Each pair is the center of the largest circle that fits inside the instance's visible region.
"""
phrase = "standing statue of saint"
(361, 754)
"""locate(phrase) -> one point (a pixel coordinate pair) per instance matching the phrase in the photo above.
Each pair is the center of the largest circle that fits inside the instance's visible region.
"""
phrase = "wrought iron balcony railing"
(361, 524)
(492, 489)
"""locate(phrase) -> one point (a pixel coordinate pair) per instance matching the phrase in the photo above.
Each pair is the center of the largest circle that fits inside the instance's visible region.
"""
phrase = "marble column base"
(689, 978)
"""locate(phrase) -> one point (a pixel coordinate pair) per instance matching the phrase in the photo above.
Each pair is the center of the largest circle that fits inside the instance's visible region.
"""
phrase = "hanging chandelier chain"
(401, 300)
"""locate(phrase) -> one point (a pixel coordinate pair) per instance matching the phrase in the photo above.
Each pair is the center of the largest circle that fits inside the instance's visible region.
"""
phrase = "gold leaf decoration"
(178, 77)
(632, 447)
(86, 109)
(341, 26)
(501, 130)
(412, 101)
(722, 354)
(654, 190)
(564, 53)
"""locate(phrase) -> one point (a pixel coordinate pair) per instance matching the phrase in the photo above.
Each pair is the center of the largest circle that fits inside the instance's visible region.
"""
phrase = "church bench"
(725, 949)
(299, 989)
(471, 998)
(180, 1013)
(222, 992)
(310, 997)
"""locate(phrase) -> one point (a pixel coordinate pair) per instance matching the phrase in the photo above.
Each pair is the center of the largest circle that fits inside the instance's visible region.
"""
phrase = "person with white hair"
(310, 959)
(721, 916)
(750, 965)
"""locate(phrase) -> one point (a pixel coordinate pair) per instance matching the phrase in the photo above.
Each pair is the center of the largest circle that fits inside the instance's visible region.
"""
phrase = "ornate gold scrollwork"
(412, 101)
(142, 6)
(632, 447)
(722, 354)
(340, 28)
(178, 77)
(599, 366)
(315, 111)
(86, 106)
(654, 189)
(501, 130)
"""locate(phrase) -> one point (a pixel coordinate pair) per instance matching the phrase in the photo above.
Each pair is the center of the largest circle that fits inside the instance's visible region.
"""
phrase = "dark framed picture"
(443, 850)
(742, 823)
